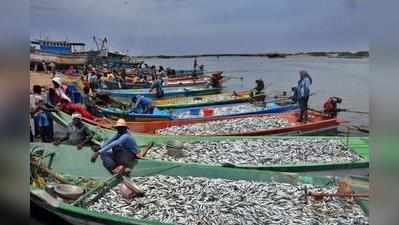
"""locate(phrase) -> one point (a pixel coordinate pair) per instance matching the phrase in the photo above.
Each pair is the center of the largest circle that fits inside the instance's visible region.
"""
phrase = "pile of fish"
(227, 126)
(225, 110)
(259, 152)
(197, 200)
(208, 98)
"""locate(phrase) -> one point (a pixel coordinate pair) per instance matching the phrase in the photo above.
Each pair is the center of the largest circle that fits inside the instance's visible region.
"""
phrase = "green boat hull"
(68, 160)
(76, 163)
(357, 144)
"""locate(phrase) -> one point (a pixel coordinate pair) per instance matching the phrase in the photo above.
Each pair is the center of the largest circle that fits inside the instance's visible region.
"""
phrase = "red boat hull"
(317, 122)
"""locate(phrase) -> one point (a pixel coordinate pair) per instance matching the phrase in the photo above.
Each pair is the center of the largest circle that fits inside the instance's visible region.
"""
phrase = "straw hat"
(57, 80)
(120, 123)
(76, 116)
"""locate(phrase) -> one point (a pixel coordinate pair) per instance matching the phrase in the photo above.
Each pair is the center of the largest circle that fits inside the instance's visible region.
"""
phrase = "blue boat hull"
(159, 114)
(168, 92)
(272, 107)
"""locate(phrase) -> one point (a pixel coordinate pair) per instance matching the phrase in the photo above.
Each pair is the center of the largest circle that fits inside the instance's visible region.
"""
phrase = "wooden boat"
(74, 166)
(317, 123)
(206, 100)
(168, 92)
(186, 113)
(60, 59)
(131, 85)
(58, 52)
(179, 73)
(357, 144)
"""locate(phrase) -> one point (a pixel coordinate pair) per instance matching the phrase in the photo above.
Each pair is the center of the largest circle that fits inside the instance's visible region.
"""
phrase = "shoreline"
(329, 54)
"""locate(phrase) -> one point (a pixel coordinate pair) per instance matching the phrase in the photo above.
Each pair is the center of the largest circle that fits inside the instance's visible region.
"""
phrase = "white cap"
(57, 80)
(120, 123)
(76, 116)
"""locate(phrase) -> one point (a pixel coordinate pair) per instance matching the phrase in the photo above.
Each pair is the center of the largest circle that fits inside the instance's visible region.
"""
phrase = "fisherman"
(93, 79)
(123, 75)
(52, 67)
(37, 92)
(195, 65)
(259, 88)
(141, 105)
(153, 72)
(110, 76)
(157, 85)
(216, 79)
(117, 152)
(88, 101)
(201, 68)
(77, 134)
(59, 90)
(41, 116)
(330, 107)
(44, 66)
(294, 96)
(303, 95)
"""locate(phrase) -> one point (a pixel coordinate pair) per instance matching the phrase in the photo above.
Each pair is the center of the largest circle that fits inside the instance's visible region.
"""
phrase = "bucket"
(195, 112)
(208, 112)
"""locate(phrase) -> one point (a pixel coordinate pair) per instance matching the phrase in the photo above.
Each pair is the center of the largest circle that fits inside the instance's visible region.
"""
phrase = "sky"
(151, 27)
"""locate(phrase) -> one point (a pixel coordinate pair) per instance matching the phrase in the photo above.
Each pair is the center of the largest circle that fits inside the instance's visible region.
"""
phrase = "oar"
(354, 111)
(232, 77)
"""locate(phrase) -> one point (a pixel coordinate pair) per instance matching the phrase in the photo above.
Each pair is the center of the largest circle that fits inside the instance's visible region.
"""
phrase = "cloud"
(188, 26)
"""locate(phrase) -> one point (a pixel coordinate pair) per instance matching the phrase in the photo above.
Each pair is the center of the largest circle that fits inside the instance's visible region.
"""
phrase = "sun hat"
(120, 123)
(57, 80)
(76, 116)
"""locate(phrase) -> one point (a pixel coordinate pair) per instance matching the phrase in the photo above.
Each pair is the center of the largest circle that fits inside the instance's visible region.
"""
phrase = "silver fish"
(199, 200)
(258, 152)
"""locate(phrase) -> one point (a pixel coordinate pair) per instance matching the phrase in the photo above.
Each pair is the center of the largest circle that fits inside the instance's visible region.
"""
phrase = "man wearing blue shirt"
(157, 85)
(303, 94)
(141, 105)
(118, 151)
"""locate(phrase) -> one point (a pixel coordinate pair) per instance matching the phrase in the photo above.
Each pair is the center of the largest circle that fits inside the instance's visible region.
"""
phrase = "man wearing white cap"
(77, 134)
(117, 152)
(59, 91)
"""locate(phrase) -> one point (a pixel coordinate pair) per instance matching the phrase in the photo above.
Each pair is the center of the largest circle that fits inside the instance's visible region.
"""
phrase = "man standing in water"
(303, 95)
(117, 152)
(195, 65)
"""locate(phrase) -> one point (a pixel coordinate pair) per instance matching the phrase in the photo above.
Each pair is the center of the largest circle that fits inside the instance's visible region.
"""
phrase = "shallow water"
(345, 78)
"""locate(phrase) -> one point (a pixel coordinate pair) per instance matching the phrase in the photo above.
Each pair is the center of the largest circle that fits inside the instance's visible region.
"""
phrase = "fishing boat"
(168, 92)
(358, 145)
(317, 124)
(196, 101)
(206, 100)
(58, 52)
(202, 112)
(179, 73)
(112, 84)
(73, 167)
